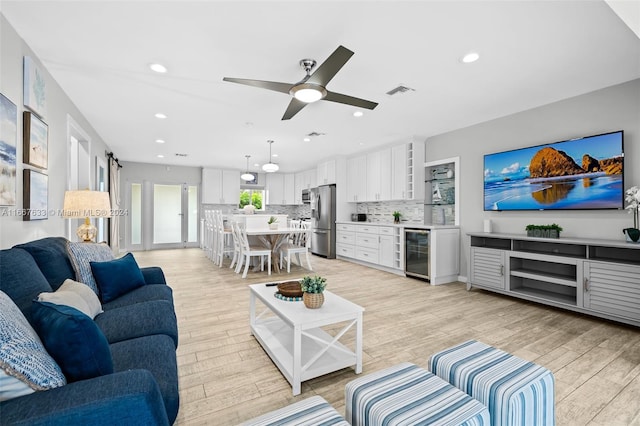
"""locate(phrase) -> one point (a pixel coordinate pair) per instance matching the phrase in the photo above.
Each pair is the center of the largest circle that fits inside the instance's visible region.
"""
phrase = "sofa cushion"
(73, 340)
(142, 294)
(117, 277)
(77, 295)
(52, 258)
(22, 354)
(83, 253)
(21, 280)
(12, 387)
(140, 319)
(156, 354)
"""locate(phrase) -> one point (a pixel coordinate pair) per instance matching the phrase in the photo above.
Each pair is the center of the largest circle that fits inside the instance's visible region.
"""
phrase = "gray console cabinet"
(596, 277)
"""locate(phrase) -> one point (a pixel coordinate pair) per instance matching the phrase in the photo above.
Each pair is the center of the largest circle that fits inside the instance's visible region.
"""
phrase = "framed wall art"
(36, 141)
(8, 139)
(34, 87)
(35, 195)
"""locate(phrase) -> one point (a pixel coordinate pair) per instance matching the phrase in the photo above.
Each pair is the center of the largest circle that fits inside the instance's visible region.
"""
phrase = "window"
(252, 196)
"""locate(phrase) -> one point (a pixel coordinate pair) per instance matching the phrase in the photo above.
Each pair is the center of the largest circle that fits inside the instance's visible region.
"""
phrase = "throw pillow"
(77, 295)
(11, 387)
(73, 340)
(83, 253)
(22, 354)
(117, 277)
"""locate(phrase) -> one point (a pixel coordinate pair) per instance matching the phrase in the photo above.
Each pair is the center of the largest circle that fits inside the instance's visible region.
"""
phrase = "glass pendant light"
(270, 167)
(246, 176)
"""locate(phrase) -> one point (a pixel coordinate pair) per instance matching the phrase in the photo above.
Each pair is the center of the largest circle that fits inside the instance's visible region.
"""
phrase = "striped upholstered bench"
(308, 412)
(406, 394)
(517, 392)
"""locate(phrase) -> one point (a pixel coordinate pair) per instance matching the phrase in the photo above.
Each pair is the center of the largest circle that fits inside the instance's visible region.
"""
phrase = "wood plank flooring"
(226, 378)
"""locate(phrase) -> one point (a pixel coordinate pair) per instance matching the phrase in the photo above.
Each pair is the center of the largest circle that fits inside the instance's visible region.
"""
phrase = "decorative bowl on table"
(290, 289)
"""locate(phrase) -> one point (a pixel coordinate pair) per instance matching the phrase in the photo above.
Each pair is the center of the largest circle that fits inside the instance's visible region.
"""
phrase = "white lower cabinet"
(612, 289)
(374, 244)
(487, 267)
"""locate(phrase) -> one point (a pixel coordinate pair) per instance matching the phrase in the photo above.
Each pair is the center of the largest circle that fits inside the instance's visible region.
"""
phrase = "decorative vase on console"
(633, 200)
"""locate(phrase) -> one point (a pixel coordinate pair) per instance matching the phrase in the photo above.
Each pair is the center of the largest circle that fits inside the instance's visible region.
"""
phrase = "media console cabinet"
(595, 277)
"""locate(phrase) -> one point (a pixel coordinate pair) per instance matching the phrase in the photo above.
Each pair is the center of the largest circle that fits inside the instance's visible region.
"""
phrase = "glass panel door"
(175, 216)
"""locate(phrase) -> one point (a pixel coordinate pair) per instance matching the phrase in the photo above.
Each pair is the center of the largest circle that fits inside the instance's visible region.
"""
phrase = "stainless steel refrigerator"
(323, 221)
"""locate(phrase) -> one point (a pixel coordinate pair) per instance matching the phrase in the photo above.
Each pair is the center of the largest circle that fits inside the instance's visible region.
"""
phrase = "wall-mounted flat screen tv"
(577, 174)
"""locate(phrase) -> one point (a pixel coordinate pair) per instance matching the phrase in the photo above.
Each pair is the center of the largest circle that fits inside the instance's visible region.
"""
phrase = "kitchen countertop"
(399, 225)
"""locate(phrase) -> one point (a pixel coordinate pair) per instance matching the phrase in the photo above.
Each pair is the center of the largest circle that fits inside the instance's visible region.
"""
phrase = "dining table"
(274, 239)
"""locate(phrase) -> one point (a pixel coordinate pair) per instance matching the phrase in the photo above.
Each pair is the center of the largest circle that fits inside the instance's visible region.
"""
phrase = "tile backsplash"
(293, 212)
(381, 211)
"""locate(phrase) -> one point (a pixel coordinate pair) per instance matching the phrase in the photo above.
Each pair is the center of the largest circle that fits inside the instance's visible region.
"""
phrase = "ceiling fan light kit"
(308, 93)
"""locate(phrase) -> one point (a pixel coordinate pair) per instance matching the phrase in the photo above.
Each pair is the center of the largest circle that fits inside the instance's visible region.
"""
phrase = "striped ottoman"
(308, 412)
(406, 394)
(517, 392)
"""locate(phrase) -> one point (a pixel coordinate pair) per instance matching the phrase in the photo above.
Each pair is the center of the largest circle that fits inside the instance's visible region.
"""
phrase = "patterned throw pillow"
(74, 294)
(22, 354)
(83, 253)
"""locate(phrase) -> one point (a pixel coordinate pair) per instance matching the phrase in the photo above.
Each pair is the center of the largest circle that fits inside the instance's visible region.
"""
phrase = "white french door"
(162, 216)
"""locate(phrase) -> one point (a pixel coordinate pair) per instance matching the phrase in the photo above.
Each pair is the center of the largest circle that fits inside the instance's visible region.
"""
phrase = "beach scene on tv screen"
(577, 174)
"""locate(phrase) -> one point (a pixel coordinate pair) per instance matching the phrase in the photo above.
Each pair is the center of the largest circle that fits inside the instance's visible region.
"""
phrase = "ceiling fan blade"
(349, 100)
(330, 67)
(269, 85)
(294, 107)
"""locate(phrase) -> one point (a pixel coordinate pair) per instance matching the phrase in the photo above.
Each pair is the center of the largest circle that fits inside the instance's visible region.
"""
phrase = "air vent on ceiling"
(314, 134)
(400, 89)
(180, 155)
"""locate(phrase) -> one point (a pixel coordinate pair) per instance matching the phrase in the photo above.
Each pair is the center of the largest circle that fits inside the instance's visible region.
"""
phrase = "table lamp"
(87, 204)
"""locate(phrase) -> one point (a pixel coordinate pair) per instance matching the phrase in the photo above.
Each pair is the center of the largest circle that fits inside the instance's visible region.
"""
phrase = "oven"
(416, 253)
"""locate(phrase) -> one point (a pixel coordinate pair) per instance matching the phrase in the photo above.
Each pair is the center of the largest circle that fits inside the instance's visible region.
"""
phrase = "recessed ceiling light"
(159, 68)
(159, 141)
(160, 156)
(470, 57)
(361, 143)
(275, 155)
(256, 165)
(358, 114)
(161, 115)
(307, 139)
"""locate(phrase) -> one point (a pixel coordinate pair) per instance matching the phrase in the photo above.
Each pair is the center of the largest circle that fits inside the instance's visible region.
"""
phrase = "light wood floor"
(226, 378)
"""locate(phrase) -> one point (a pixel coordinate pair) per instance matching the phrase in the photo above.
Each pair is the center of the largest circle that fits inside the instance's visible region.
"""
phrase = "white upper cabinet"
(220, 186)
(400, 179)
(356, 179)
(326, 173)
(379, 175)
(280, 188)
(298, 186)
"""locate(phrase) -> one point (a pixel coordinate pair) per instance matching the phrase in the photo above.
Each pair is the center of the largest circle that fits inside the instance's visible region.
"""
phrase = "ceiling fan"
(312, 87)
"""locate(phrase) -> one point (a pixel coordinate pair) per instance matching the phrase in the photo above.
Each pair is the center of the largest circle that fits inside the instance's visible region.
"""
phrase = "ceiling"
(531, 53)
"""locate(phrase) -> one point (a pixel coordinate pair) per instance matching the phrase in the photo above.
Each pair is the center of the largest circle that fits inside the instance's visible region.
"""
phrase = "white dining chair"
(223, 241)
(301, 244)
(249, 251)
(237, 247)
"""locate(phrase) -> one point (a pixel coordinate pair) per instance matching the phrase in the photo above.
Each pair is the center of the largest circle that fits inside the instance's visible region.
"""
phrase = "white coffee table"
(292, 336)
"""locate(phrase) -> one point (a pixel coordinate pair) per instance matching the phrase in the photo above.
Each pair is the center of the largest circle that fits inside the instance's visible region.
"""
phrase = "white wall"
(606, 110)
(13, 230)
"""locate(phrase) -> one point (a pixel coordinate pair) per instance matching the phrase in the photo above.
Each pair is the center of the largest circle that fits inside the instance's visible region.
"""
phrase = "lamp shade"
(85, 203)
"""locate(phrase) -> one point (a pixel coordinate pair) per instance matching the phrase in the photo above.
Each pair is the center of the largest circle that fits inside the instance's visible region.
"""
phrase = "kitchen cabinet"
(280, 188)
(373, 244)
(357, 179)
(400, 172)
(379, 175)
(326, 173)
(305, 179)
(220, 186)
(386, 251)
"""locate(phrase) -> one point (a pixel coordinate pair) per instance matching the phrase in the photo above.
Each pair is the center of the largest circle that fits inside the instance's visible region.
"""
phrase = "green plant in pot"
(273, 222)
(544, 231)
(396, 216)
(312, 291)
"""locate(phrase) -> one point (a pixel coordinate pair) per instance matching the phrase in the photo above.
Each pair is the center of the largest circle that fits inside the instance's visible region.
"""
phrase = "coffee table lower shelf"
(319, 352)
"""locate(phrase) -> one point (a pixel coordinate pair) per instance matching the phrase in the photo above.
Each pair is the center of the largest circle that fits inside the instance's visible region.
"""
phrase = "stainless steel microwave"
(306, 196)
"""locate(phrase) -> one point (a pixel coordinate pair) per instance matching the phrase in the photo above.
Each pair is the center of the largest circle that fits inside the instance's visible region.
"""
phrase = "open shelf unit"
(596, 277)
(442, 196)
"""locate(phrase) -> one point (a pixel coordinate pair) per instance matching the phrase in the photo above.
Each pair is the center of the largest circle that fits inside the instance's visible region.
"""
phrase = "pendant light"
(246, 176)
(270, 167)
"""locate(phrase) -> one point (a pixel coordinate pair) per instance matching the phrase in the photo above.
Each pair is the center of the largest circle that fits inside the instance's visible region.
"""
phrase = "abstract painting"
(8, 138)
(35, 141)
(34, 87)
(35, 195)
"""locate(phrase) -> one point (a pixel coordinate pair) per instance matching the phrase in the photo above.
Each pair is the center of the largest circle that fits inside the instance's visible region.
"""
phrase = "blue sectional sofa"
(140, 328)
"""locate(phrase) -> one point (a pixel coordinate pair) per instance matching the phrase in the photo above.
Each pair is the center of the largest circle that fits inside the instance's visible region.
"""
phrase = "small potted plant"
(312, 288)
(544, 231)
(396, 216)
(273, 222)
